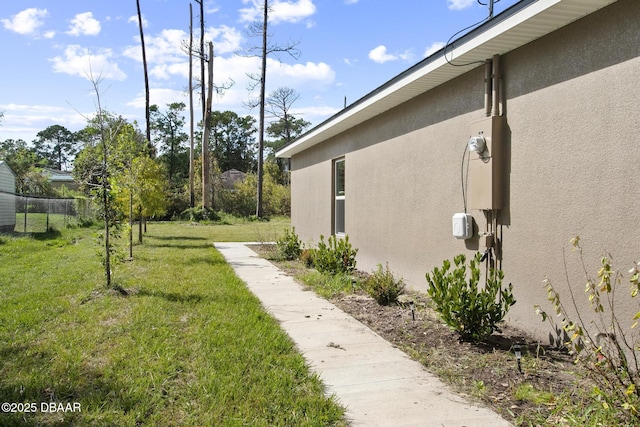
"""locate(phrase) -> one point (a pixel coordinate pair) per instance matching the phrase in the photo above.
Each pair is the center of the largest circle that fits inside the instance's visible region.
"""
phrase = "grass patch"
(189, 345)
(40, 222)
(528, 393)
(329, 286)
(232, 229)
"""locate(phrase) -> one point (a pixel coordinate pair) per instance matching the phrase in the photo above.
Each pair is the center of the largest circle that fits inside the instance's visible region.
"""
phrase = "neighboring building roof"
(522, 23)
(6, 166)
(54, 175)
(230, 177)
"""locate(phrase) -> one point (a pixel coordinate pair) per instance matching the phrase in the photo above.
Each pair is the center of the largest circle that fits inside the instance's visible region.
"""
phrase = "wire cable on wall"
(464, 178)
(489, 2)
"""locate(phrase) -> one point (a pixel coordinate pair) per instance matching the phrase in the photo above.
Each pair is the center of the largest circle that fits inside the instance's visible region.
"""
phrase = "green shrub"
(289, 246)
(307, 257)
(383, 286)
(200, 213)
(338, 256)
(605, 342)
(329, 285)
(241, 200)
(472, 312)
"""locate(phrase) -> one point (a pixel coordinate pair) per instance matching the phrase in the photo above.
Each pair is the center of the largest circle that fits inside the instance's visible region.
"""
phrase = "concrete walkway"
(378, 384)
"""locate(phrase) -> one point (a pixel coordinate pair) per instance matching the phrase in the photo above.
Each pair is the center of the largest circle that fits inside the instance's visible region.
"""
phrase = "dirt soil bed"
(486, 372)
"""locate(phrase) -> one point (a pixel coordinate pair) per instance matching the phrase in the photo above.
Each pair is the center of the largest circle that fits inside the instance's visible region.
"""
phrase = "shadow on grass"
(172, 296)
(206, 259)
(178, 238)
(177, 245)
(96, 390)
(36, 235)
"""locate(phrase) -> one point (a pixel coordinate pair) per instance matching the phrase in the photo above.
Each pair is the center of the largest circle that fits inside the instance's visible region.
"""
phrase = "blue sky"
(348, 48)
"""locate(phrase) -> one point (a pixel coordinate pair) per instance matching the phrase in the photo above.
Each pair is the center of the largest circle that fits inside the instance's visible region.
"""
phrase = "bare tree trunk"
(192, 200)
(206, 169)
(263, 79)
(130, 223)
(104, 188)
(141, 219)
(206, 181)
(146, 77)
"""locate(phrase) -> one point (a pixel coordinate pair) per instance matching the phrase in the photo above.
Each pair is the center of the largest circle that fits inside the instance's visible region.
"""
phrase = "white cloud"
(316, 112)
(23, 121)
(460, 4)
(167, 71)
(225, 39)
(435, 46)
(351, 1)
(78, 61)
(159, 96)
(27, 21)
(84, 24)
(134, 20)
(281, 11)
(380, 55)
(164, 48)
(167, 53)
(317, 72)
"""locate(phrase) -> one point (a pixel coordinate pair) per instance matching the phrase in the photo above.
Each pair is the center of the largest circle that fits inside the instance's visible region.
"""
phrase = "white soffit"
(534, 20)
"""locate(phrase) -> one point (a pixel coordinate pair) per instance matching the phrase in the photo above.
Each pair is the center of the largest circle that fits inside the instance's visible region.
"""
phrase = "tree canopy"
(57, 145)
(233, 141)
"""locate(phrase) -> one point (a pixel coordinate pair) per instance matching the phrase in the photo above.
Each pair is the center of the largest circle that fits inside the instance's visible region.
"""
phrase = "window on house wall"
(339, 197)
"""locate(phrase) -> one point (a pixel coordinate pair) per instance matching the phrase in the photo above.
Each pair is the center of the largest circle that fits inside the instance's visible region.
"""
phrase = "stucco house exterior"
(536, 139)
(7, 198)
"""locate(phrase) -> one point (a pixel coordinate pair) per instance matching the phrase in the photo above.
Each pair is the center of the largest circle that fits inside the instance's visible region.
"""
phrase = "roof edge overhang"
(520, 24)
(3, 162)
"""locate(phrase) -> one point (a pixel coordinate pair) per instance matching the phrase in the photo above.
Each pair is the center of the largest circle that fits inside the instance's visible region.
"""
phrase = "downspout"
(496, 86)
(496, 111)
(487, 88)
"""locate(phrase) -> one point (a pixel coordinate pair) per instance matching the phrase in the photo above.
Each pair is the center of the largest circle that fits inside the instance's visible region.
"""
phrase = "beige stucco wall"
(571, 165)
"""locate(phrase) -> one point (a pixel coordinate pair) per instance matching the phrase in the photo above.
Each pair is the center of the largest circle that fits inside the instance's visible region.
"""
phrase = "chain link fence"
(34, 214)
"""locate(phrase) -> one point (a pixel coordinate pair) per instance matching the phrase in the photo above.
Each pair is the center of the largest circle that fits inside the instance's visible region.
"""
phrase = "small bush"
(384, 287)
(307, 257)
(200, 213)
(329, 286)
(472, 312)
(606, 344)
(289, 246)
(338, 256)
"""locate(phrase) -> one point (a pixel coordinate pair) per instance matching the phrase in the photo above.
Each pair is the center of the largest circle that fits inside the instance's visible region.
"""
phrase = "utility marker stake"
(518, 351)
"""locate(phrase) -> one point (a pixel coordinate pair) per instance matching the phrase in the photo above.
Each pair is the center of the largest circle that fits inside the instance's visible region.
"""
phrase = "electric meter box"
(462, 226)
(486, 168)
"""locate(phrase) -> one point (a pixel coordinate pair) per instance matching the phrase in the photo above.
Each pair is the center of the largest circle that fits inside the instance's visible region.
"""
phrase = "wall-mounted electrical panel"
(462, 226)
(486, 176)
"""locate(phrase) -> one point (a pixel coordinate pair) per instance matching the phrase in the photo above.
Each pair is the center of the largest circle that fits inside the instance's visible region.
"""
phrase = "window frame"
(339, 197)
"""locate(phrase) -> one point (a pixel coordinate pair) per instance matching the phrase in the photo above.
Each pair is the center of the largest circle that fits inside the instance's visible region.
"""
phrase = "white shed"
(7, 198)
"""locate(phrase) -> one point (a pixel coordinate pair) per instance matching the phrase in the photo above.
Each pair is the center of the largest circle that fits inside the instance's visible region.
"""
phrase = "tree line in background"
(225, 141)
(232, 145)
(136, 174)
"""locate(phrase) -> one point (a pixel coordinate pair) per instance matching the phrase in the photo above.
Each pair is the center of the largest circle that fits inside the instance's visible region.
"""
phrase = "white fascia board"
(535, 20)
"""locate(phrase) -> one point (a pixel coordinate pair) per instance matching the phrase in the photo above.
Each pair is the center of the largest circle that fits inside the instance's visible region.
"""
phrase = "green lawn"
(190, 345)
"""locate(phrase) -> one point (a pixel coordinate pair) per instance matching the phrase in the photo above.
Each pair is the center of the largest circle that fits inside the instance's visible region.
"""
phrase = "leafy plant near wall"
(383, 286)
(473, 312)
(608, 346)
(289, 246)
(336, 256)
